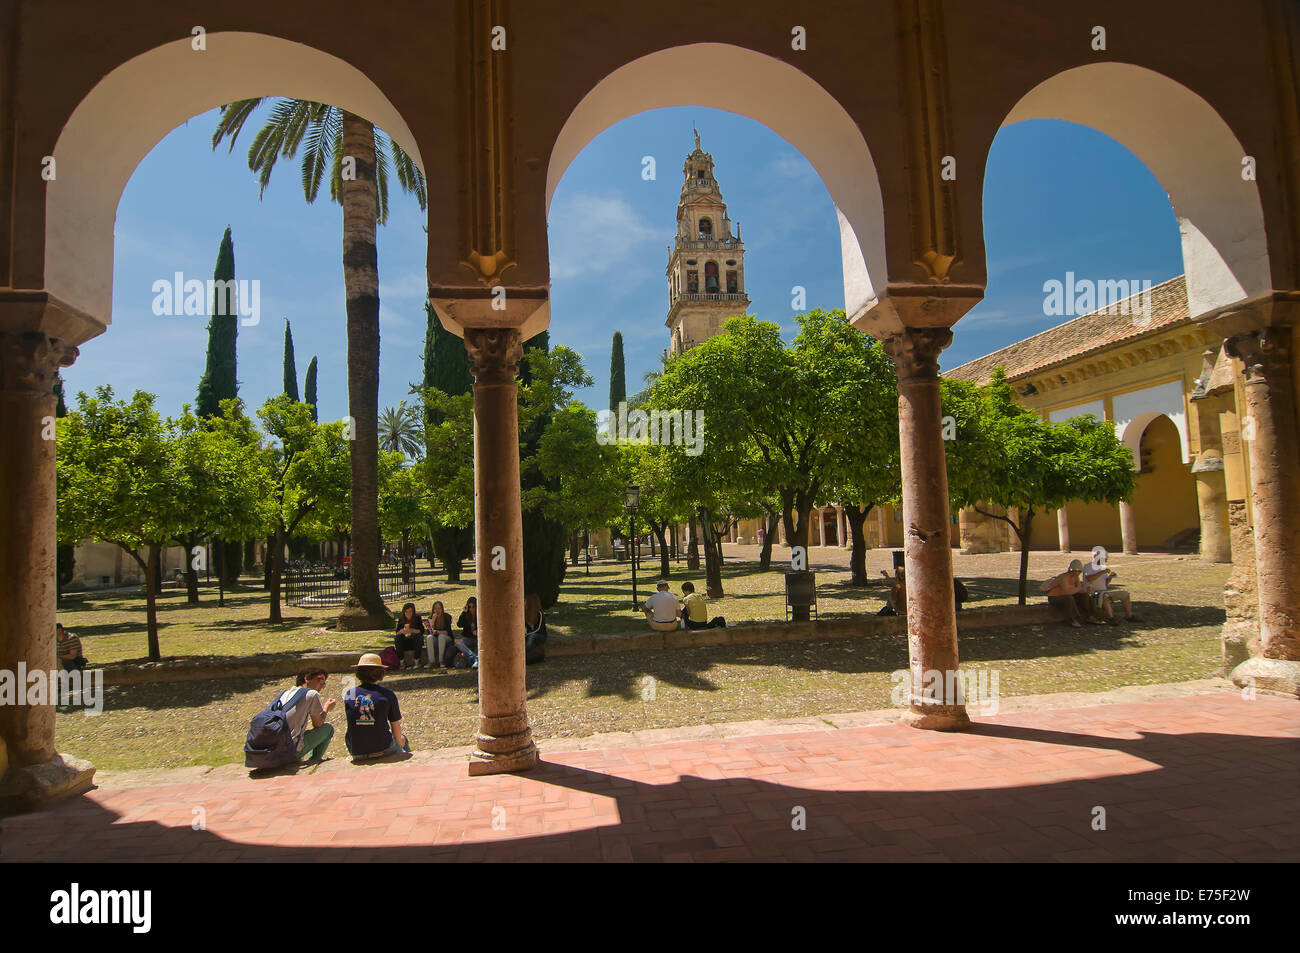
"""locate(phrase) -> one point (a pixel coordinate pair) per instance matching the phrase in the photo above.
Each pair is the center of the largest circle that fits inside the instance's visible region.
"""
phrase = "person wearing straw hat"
(374, 715)
(1066, 592)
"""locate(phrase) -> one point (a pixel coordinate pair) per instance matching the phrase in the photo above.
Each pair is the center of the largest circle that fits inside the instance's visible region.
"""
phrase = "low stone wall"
(747, 634)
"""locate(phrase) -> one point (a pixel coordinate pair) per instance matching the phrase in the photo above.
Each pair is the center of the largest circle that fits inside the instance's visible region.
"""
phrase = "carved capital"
(1265, 354)
(30, 361)
(915, 351)
(495, 354)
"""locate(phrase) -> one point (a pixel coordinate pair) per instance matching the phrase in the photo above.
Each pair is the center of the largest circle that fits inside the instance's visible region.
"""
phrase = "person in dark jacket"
(468, 625)
(409, 638)
(534, 630)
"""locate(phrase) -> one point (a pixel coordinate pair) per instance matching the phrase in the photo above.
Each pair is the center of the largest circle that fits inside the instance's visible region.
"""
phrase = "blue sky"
(1058, 198)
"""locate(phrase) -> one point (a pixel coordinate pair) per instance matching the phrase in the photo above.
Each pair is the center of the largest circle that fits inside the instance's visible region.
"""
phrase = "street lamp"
(633, 497)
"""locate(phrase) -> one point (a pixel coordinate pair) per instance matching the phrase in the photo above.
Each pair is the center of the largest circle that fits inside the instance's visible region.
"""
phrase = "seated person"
(409, 638)
(374, 717)
(438, 636)
(959, 593)
(468, 625)
(897, 604)
(68, 647)
(310, 742)
(1096, 582)
(534, 630)
(1065, 592)
(695, 610)
(661, 609)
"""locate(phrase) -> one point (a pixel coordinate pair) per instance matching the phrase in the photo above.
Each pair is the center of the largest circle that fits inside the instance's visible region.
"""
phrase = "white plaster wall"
(766, 90)
(1095, 407)
(137, 104)
(1136, 409)
(1187, 146)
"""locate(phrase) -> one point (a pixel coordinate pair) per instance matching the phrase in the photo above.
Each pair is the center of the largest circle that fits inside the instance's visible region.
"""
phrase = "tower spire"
(697, 136)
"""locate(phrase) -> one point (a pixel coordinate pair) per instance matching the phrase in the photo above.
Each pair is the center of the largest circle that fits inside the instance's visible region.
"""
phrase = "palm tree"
(360, 159)
(399, 430)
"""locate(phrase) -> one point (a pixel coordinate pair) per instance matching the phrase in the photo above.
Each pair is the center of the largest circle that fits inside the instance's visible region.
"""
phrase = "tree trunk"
(858, 557)
(712, 555)
(575, 546)
(692, 547)
(191, 574)
(266, 563)
(796, 534)
(364, 609)
(275, 563)
(769, 531)
(1022, 531)
(665, 570)
(151, 600)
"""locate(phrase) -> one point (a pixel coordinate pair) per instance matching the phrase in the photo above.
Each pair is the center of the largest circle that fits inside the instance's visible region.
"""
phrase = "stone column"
(1275, 478)
(841, 527)
(1212, 502)
(821, 527)
(1063, 529)
(29, 361)
(1128, 529)
(505, 741)
(931, 613)
(883, 524)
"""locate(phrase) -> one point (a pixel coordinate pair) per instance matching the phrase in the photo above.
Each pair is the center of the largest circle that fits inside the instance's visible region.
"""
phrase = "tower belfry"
(706, 265)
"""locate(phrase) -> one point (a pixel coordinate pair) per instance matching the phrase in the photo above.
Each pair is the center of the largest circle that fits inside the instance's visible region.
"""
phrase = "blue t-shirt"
(370, 708)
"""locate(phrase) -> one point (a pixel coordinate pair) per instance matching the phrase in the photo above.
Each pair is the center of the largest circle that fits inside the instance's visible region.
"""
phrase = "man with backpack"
(279, 735)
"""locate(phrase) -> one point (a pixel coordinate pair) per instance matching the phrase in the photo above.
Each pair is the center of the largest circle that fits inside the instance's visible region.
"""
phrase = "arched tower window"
(692, 282)
(711, 277)
(706, 228)
(733, 285)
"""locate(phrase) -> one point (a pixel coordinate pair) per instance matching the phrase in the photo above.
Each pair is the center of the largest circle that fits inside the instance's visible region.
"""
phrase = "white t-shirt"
(663, 605)
(1095, 577)
(298, 715)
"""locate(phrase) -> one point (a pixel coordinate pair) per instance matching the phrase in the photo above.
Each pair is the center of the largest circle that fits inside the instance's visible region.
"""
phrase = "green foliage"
(220, 381)
(290, 369)
(399, 430)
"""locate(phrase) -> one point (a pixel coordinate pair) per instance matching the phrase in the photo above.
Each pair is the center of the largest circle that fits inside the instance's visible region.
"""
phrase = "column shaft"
(504, 740)
(1128, 528)
(931, 614)
(1063, 529)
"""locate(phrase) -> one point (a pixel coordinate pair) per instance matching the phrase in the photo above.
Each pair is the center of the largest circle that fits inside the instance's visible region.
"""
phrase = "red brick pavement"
(1210, 777)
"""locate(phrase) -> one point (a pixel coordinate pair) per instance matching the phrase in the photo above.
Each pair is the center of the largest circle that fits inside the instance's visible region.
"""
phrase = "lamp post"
(633, 497)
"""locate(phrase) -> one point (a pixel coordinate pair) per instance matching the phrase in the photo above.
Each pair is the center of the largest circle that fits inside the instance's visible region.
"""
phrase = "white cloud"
(593, 233)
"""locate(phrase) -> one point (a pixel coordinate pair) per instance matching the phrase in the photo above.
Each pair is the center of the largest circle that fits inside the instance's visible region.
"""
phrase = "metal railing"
(313, 585)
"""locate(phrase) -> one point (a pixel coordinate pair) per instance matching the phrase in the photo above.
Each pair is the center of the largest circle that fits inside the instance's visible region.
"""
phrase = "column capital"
(915, 351)
(1264, 353)
(495, 354)
(30, 361)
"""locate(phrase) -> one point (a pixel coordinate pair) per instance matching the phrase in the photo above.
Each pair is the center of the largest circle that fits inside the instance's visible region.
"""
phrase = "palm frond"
(232, 119)
(381, 179)
(409, 176)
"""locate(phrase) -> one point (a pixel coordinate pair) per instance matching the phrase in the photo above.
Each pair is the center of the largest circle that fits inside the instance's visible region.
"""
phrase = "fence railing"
(315, 584)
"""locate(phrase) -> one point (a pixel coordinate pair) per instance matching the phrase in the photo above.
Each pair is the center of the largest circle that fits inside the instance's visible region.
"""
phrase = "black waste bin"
(801, 592)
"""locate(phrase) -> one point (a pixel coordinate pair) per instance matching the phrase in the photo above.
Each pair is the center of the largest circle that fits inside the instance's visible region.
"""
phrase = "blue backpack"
(270, 739)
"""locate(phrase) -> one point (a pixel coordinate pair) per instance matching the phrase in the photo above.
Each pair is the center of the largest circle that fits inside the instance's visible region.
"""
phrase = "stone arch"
(132, 108)
(772, 92)
(1193, 153)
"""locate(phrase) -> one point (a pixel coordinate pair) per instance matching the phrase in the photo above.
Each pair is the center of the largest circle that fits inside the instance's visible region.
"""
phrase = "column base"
(32, 787)
(938, 718)
(504, 755)
(1269, 674)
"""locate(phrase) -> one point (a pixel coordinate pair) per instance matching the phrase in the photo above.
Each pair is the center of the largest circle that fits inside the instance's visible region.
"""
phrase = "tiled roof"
(1087, 334)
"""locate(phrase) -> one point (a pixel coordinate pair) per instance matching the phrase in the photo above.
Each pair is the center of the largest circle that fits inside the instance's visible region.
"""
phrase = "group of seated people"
(1083, 594)
(664, 612)
(373, 713)
(432, 642)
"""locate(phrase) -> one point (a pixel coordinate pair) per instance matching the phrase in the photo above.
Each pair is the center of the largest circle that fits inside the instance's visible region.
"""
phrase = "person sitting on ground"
(409, 638)
(1096, 581)
(661, 609)
(1065, 592)
(68, 647)
(374, 716)
(534, 630)
(468, 625)
(310, 742)
(959, 593)
(438, 629)
(695, 610)
(897, 604)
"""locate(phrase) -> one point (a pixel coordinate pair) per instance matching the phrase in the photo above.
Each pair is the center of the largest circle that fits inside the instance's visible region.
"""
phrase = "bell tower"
(706, 264)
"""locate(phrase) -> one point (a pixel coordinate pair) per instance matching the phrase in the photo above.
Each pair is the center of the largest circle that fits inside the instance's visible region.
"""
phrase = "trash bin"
(800, 592)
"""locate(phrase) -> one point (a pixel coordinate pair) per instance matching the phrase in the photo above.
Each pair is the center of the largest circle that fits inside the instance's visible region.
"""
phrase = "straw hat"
(370, 660)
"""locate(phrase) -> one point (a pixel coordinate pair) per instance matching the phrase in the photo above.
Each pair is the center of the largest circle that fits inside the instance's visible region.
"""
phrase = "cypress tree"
(617, 374)
(219, 380)
(290, 370)
(310, 387)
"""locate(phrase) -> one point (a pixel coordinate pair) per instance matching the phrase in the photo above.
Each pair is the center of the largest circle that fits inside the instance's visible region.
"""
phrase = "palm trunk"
(364, 609)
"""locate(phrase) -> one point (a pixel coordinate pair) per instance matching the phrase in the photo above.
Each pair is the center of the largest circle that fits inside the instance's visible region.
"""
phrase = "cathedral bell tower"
(706, 265)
